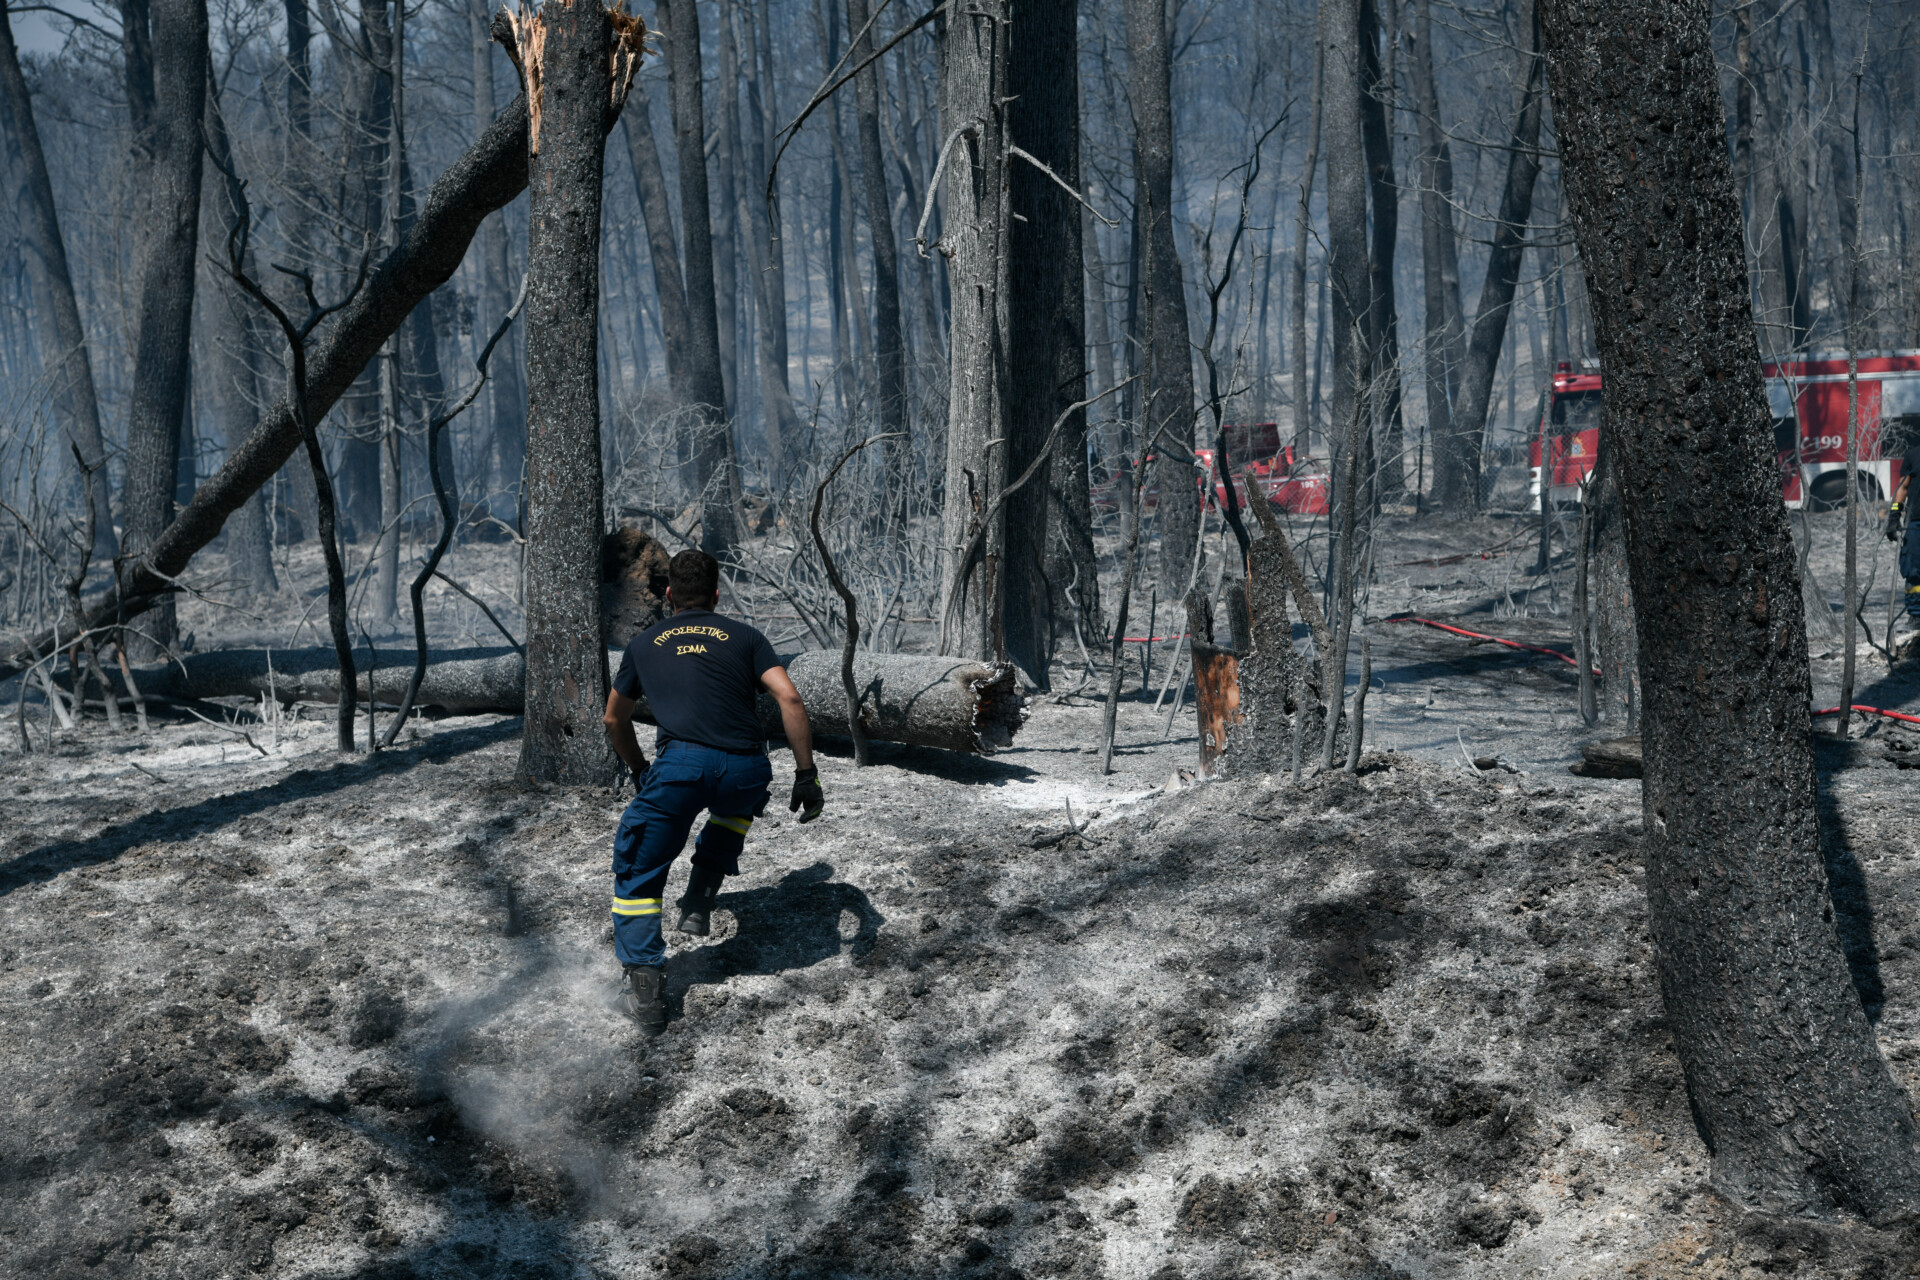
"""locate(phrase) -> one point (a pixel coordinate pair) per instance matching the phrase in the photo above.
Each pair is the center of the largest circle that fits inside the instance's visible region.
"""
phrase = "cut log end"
(999, 708)
(1613, 758)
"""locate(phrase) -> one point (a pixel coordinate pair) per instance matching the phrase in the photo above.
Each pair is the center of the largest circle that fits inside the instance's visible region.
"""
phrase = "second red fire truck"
(1808, 395)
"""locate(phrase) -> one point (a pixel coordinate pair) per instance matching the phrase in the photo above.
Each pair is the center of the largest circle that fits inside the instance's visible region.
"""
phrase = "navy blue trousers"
(684, 781)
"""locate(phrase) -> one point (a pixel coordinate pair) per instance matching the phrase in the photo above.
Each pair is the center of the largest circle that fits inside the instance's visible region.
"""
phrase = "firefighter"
(700, 673)
(1910, 544)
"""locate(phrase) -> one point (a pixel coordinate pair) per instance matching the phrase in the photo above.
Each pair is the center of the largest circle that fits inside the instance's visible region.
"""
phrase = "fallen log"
(1613, 758)
(929, 702)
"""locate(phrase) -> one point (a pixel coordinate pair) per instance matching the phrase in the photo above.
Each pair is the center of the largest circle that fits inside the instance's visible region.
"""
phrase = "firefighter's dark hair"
(695, 578)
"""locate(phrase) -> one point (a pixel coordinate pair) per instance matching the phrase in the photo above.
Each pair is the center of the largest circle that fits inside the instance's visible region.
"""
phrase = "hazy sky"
(37, 33)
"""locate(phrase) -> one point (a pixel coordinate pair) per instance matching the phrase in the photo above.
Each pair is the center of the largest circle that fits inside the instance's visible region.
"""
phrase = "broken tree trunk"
(1216, 681)
(573, 60)
(1271, 705)
(486, 178)
(922, 701)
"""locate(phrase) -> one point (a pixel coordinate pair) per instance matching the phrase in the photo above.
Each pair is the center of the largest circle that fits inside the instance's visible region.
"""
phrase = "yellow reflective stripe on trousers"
(636, 906)
(731, 824)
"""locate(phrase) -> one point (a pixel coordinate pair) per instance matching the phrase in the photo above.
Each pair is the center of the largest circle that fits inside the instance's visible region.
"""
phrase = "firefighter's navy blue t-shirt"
(700, 673)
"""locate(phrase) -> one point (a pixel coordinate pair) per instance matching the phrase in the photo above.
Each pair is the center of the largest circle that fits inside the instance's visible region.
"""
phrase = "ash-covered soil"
(302, 1017)
(291, 1015)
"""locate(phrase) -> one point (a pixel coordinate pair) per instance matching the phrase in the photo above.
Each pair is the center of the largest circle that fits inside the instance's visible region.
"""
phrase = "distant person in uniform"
(1910, 540)
(700, 673)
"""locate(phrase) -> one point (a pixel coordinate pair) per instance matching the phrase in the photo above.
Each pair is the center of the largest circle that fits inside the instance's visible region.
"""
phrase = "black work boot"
(696, 905)
(646, 998)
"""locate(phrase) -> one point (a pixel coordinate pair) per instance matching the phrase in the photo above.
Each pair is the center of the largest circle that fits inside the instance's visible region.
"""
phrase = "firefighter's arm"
(1897, 509)
(619, 722)
(807, 799)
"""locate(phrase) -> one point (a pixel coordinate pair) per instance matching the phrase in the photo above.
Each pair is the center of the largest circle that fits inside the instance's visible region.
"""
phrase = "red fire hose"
(1872, 711)
(1511, 644)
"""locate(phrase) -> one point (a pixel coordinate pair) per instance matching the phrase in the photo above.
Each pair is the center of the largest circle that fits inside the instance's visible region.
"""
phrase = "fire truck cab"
(1808, 395)
(1293, 483)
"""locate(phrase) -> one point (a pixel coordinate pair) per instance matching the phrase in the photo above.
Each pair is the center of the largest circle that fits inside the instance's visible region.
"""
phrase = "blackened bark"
(566, 658)
(74, 395)
(1167, 396)
(889, 337)
(1445, 339)
(485, 179)
(769, 241)
(650, 187)
(1456, 458)
(1787, 1083)
(1047, 327)
(167, 101)
(713, 445)
(1350, 285)
(1281, 693)
(1610, 601)
(723, 132)
(1303, 400)
(973, 95)
(1383, 322)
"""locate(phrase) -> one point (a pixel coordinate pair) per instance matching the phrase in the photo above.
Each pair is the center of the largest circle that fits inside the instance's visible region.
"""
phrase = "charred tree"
(1303, 402)
(1050, 522)
(166, 74)
(973, 98)
(713, 443)
(760, 233)
(1456, 457)
(650, 186)
(1383, 319)
(1167, 397)
(67, 352)
(1350, 285)
(575, 62)
(506, 392)
(889, 335)
(1444, 348)
(1787, 1083)
(1282, 695)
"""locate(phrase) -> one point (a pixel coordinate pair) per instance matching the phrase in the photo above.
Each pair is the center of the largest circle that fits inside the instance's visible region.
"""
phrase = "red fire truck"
(1808, 395)
(1293, 484)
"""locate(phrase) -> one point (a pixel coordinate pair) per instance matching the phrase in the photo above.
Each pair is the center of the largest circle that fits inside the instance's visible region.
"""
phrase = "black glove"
(640, 776)
(807, 794)
(1894, 513)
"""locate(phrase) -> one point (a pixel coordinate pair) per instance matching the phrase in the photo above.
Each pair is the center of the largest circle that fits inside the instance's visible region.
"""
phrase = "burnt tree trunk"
(1786, 1080)
(79, 405)
(565, 55)
(506, 392)
(1350, 289)
(1444, 351)
(889, 337)
(1282, 695)
(1383, 319)
(1610, 601)
(650, 187)
(1047, 326)
(761, 225)
(1303, 400)
(1167, 397)
(167, 88)
(713, 440)
(1456, 457)
(973, 97)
